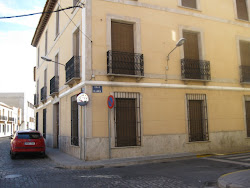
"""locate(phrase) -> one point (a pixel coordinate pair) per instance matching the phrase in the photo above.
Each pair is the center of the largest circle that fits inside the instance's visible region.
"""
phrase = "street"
(33, 171)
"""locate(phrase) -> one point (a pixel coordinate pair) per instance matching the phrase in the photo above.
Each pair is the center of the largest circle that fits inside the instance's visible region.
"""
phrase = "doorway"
(56, 125)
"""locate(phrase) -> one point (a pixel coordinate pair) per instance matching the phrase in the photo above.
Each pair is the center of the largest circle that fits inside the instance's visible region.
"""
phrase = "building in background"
(10, 119)
(197, 100)
(19, 100)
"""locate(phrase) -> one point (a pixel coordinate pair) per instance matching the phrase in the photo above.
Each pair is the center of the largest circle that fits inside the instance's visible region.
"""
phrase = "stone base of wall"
(98, 148)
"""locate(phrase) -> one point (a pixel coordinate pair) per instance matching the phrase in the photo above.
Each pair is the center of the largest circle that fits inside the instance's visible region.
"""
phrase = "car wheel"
(12, 155)
(43, 155)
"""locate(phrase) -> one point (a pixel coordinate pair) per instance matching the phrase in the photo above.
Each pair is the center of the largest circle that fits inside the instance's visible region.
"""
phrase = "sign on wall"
(97, 89)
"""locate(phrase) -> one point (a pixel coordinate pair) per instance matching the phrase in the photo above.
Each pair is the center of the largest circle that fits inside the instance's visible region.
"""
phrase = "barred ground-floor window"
(197, 117)
(247, 106)
(44, 122)
(127, 119)
(74, 122)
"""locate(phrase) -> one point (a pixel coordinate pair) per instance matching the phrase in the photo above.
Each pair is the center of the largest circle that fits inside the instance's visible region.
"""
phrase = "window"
(197, 117)
(189, 3)
(75, 2)
(56, 64)
(37, 121)
(242, 9)
(76, 43)
(57, 22)
(247, 106)
(74, 122)
(38, 56)
(127, 119)
(44, 123)
(245, 60)
(46, 42)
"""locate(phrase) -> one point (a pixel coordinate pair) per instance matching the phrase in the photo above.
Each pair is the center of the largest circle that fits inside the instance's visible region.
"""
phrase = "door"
(56, 125)
(122, 38)
(195, 121)
(247, 104)
(126, 122)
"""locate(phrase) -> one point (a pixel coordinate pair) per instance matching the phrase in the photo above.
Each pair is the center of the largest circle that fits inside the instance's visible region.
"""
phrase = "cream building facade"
(195, 101)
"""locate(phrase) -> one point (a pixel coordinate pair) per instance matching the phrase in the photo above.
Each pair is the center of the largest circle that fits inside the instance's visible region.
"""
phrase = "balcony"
(54, 86)
(3, 118)
(125, 64)
(244, 74)
(195, 70)
(73, 70)
(44, 94)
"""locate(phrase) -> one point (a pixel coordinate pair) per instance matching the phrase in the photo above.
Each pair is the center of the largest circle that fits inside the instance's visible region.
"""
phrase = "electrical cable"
(76, 25)
(32, 14)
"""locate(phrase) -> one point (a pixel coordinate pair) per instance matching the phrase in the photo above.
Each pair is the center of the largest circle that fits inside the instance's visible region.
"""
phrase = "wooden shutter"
(242, 12)
(245, 53)
(125, 122)
(195, 118)
(191, 46)
(247, 104)
(122, 37)
(189, 3)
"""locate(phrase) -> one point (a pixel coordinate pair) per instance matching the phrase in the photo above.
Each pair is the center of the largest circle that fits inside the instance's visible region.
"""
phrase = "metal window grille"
(247, 106)
(197, 117)
(44, 123)
(189, 3)
(74, 122)
(127, 118)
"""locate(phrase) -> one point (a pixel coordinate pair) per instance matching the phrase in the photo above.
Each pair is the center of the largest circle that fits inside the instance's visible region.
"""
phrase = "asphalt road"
(33, 171)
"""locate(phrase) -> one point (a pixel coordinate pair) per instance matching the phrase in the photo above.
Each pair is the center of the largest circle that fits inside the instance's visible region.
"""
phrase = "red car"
(27, 141)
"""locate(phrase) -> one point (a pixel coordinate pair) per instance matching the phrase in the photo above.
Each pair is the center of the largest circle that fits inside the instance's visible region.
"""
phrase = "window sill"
(194, 9)
(199, 142)
(126, 147)
(246, 21)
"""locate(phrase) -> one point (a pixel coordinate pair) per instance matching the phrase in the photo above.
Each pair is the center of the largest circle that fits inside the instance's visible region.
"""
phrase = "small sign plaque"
(97, 89)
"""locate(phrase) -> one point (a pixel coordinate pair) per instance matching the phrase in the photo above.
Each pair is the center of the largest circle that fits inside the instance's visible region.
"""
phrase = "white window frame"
(238, 39)
(57, 22)
(235, 10)
(198, 3)
(78, 26)
(46, 43)
(38, 57)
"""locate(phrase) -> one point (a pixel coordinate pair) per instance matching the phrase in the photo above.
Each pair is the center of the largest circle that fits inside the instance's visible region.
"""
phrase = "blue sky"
(18, 57)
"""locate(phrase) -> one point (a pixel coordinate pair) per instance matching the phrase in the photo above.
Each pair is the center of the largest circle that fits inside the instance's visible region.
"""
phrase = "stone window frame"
(198, 3)
(235, 11)
(125, 19)
(201, 44)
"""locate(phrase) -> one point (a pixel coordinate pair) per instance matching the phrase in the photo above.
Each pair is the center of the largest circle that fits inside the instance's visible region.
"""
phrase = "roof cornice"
(49, 7)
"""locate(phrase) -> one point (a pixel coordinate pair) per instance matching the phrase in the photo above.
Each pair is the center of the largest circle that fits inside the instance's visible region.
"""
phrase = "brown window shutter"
(245, 53)
(242, 12)
(122, 37)
(189, 3)
(191, 47)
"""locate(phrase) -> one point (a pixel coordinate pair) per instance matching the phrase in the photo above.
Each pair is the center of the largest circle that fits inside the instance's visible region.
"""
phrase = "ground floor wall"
(162, 122)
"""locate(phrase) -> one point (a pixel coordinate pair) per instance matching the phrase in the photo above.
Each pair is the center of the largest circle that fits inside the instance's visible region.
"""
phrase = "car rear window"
(28, 136)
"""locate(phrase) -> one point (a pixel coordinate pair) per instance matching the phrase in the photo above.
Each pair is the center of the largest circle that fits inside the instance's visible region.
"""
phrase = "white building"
(10, 119)
(19, 100)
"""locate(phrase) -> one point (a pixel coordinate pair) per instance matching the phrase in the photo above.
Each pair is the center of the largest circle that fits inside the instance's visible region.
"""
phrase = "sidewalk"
(67, 161)
(240, 179)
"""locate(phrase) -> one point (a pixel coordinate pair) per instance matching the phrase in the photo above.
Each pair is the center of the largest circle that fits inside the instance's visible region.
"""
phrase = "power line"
(76, 25)
(32, 14)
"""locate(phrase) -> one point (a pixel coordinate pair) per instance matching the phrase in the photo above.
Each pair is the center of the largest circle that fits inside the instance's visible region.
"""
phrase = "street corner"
(238, 179)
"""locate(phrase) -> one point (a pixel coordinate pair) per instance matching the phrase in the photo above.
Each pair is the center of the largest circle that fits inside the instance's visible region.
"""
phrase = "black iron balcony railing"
(125, 63)
(54, 85)
(73, 69)
(11, 119)
(3, 118)
(44, 93)
(244, 73)
(195, 69)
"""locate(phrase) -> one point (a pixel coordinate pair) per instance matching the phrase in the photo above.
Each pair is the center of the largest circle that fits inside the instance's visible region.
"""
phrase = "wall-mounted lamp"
(178, 44)
(48, 59)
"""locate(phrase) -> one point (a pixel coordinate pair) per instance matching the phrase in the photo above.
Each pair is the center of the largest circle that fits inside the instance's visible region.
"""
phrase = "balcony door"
(122, 41)
(191, 55)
